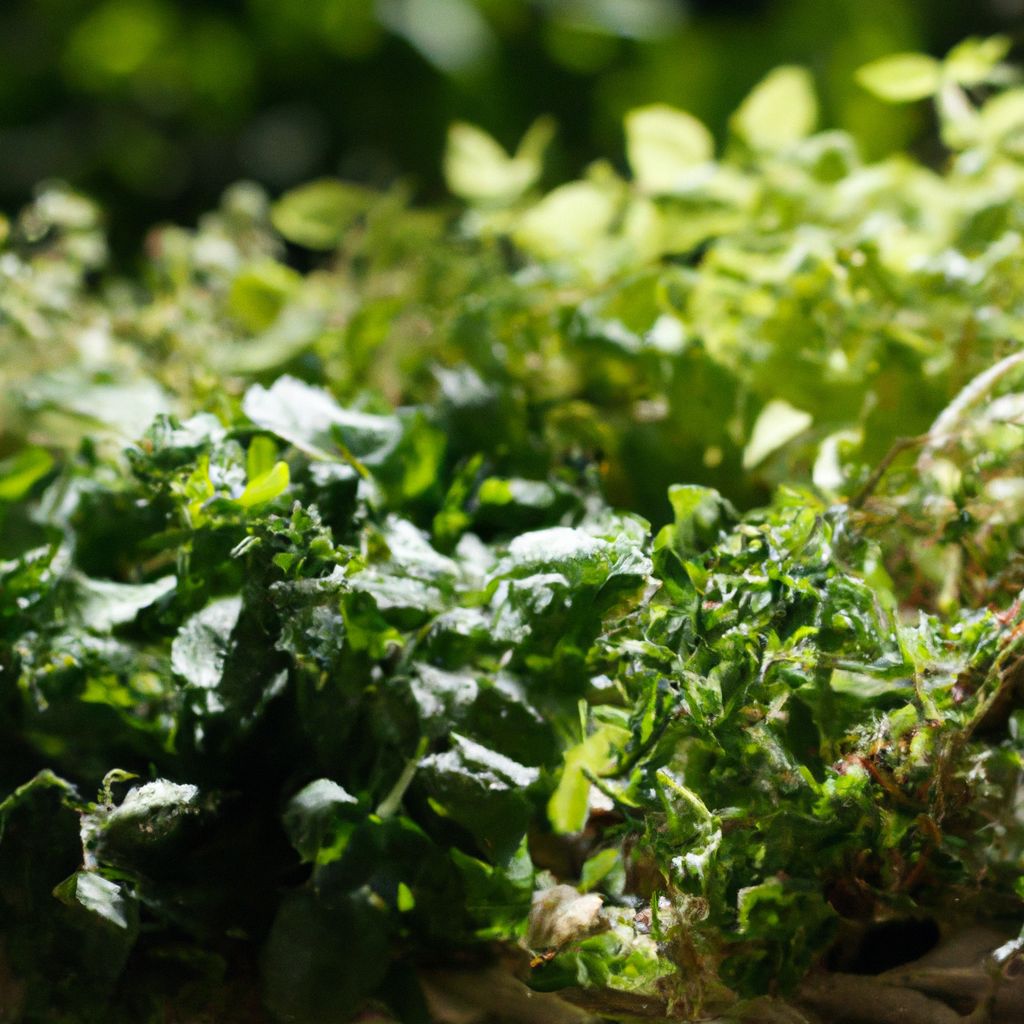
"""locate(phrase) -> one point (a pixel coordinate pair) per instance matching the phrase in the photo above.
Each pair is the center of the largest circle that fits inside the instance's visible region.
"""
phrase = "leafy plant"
(340, 661)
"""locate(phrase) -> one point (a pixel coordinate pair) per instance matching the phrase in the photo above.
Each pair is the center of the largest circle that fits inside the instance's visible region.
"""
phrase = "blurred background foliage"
(154, 106)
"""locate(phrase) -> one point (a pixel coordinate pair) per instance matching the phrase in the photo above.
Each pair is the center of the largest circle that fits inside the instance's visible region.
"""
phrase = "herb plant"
(354, 664)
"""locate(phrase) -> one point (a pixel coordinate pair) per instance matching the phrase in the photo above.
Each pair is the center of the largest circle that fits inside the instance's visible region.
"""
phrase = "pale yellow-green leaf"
(1003, 115)
(662, 143)
(317, 215)
(901, 77)
(781, 109)
(778, 423)
(973, 60)
(479, 170)
(265, 487)
(568, 221)
(567, 808)
(261, 456)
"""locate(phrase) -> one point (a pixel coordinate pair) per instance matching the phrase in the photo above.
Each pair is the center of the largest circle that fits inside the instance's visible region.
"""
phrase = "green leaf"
(317, 817)
(701, 514)
(259, 292)
(477, 169)
(777, 424)
(663, 143)
(483, 791)
(313, 422)
(265, 487)
(19, 472)
(567, 808)
(100, 898)
(781, 110)
(973, 60)
(323, 957)
(319, 214)
(567, 222)
(201, 648)
(901, 77)
(598, 867)
(102, 604)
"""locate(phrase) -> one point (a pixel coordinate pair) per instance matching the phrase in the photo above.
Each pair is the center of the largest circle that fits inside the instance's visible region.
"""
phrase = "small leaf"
(21, 471)
(662, 143)
(260, 291)
(265, 487)
(597, 868)
(781, 109)
(901, 77)
(568, 221)
(778, 423)
(316, 816)
(971, 62)
(317, 215)
(260, 457)
(567, 808)
(102, 899)
(405, 901)
(479, 170)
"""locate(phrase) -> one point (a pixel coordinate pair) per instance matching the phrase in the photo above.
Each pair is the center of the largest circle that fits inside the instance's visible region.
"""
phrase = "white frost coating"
(153, 797)
(500, 772)
(553, 545)
(102, 897)
(321, 794)
(207, 632)
(105, 604)
(304, 415)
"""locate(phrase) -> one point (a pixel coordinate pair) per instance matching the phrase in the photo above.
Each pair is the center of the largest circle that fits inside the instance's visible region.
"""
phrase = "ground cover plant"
(598, 604)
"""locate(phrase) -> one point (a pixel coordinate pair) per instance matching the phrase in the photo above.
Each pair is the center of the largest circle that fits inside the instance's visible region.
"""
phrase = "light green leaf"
(317, 215)
(1003, 115)
(781, 109)
(259, 292)
(479, 170)
(568, 221)
(778, 423)
(21, 471)
(597, 868)
(973, 60)
(260, 457)
(901, 77)
(567, 808)
(662, 143)
(265, 487)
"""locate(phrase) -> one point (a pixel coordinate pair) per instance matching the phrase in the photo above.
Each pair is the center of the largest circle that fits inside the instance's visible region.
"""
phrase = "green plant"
(346, 678)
